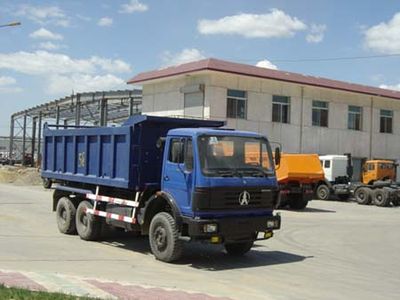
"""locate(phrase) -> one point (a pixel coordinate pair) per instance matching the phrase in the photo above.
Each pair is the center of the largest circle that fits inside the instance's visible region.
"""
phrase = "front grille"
(228, 198)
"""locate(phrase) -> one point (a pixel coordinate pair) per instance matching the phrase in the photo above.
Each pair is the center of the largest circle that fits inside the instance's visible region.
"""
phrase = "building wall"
(165, 98)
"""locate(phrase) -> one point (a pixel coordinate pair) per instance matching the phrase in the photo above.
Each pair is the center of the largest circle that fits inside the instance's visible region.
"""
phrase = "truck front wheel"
(238, 249)
(164, 238)
(88, 226)
(65, 213)
(323, 192)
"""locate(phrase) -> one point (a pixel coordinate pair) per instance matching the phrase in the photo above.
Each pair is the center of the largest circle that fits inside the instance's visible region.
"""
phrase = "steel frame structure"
(96, 108)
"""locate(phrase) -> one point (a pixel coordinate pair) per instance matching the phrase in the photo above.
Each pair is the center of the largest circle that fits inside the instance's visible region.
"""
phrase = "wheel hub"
(63, 214)
(160, 237)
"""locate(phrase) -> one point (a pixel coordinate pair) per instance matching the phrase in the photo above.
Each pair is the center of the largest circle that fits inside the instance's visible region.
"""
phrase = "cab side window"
(176, 151)
(370, 167)
(189, 155)
(181, 151)
(327, 164)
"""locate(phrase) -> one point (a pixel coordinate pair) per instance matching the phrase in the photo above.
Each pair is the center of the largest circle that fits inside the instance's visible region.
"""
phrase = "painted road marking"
(54, 282)
(14, 279)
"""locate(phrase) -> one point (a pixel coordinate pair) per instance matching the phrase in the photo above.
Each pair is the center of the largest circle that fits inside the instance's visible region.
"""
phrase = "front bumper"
(233, 229)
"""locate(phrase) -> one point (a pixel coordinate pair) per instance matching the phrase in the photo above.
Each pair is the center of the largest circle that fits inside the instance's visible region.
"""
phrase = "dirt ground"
(20, 175)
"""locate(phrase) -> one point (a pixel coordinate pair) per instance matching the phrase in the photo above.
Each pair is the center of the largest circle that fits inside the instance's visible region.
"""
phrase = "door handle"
(166, 178)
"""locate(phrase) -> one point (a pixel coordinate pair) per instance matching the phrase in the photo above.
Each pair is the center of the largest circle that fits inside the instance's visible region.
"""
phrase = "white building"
(305, 114)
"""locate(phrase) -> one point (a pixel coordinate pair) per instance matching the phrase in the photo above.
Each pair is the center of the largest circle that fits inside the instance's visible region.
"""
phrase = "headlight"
(210, 228)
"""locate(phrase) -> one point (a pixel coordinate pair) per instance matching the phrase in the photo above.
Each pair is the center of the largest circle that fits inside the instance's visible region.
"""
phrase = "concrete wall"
(165, 98)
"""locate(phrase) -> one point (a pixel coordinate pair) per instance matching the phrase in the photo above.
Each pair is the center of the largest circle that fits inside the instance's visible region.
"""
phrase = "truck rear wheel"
(363, 195)
(238, 249)
(323, 192)
(298, 202)
(164, 238)
(381, 198)
(88, 226)
(65, 214)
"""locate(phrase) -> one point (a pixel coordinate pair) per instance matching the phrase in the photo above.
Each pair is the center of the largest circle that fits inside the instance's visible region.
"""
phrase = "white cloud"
(7, 85)
(106, 21)
(266, 64)
(43, 62)
(62, 84)
(45, 34)
(7, 80)
(62, 74)
(395, 87)
(384, 37)
(316, 34)
(185, 56)
(44, 14)
(49, 46)
(133, 6)
(274, 24)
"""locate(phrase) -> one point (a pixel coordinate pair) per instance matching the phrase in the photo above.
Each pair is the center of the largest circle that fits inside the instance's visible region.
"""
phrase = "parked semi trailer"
(377, 185)
(174, 180)
(297, 175)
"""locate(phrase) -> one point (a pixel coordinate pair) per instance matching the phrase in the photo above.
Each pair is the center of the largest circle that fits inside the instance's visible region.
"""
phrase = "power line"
(321, 59)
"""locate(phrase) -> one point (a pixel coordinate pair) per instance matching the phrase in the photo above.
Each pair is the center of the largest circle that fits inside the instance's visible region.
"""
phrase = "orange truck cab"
(378, 170)
(297, 175)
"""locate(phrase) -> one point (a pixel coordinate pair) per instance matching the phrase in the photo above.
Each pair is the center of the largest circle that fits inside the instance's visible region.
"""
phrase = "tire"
(65, 215)
(164, 238)
(396, 202)
(381, 198)
(238, 249)
(343, 197)
(88, 226)
(298, 202)
(323, 192)
(363, 195)
(47, 183)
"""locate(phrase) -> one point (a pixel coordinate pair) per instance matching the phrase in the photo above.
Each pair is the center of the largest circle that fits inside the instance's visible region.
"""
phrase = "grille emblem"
(244, 198)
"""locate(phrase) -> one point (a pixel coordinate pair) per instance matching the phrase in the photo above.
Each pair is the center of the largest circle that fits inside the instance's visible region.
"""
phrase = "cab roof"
(195, 132)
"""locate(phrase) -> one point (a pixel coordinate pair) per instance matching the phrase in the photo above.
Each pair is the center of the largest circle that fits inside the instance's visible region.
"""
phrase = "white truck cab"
(335, 166)
(336, 177)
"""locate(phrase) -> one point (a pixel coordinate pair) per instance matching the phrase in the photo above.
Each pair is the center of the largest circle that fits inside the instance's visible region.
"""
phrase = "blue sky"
(65, 46)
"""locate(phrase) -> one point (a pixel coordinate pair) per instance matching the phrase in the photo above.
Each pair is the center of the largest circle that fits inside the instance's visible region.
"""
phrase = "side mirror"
(277, 156)
(160, 142)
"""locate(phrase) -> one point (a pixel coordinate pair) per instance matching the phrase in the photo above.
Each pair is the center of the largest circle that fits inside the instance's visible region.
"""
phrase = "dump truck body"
(166, 178)
(297, 174)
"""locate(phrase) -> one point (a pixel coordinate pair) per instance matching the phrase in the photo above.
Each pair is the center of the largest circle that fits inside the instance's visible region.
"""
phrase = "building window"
(355, 117)
(280, 109)
(320, 113)
(386, 121)
(236, 104)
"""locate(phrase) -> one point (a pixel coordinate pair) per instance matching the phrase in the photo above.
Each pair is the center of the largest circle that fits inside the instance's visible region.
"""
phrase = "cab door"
(369, 173)
(177, 178)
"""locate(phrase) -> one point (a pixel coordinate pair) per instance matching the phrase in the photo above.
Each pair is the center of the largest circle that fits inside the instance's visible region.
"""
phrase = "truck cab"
(223, 183)
(338, 171)
(375, 170)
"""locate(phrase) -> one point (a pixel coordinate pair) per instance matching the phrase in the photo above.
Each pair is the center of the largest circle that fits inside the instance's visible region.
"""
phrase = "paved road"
(332, 250)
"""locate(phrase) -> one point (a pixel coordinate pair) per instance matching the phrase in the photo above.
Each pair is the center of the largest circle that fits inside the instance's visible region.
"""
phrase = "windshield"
(230, 156)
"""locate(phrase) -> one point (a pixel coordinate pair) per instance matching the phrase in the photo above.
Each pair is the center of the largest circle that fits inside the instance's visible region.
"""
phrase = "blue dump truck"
(175, 180)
